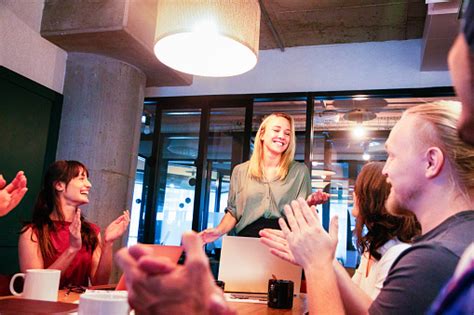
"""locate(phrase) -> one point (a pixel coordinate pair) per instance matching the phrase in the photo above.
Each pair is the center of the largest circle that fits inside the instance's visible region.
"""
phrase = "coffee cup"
(104, 303)
(39, 284)
(280, 293)
(220, 284)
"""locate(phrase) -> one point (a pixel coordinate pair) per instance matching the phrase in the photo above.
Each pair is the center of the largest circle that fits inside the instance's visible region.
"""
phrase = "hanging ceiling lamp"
(214, 38)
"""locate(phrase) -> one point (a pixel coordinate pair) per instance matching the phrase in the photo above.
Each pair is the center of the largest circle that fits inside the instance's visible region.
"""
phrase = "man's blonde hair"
(256, 161)
(438, 128)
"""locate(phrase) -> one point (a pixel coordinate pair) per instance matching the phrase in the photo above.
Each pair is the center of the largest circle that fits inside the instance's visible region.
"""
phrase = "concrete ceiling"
(290, 23)
(124, 29)
(321, 22)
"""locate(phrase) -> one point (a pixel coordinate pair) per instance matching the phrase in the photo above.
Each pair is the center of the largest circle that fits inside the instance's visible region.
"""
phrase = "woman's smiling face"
(76, 192)
(277, 135)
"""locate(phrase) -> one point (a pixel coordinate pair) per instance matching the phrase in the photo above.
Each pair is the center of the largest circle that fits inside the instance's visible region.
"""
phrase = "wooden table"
(14, 305)
(68, 297)
(240, 307)
(11, 306)
(254, 308)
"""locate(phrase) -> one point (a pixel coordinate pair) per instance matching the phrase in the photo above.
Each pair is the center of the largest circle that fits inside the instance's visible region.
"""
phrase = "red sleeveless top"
(80, 268)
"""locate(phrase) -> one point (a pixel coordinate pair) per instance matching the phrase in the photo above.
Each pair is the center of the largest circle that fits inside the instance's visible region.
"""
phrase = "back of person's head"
(437, 128)
(371, 190)
(461, 68)
(256, 161)
(48, 202)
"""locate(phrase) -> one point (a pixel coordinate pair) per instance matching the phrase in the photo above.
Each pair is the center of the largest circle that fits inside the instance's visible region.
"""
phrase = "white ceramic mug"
(39, 284)
(104, 303)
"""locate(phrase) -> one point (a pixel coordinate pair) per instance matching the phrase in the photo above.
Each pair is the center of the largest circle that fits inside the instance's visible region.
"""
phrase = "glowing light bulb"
(205, 27)
(359, 132)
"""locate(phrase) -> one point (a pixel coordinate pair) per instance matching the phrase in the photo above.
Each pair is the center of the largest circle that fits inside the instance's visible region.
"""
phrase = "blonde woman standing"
(261, 187)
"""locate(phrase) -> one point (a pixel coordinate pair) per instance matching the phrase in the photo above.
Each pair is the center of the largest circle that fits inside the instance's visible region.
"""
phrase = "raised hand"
(210, 235)
(117, 227)
(275, 240)
(75, 240)
(11, 195)
(318, 197)
(307, 240)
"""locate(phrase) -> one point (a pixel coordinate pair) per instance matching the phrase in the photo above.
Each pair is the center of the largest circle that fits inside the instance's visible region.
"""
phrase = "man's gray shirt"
(420, 272)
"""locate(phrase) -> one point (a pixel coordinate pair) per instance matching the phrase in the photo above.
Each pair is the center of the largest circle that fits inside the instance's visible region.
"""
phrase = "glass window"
(347, 132)
(144, 154)
(136, 202)
(225, 150)
(179, 139)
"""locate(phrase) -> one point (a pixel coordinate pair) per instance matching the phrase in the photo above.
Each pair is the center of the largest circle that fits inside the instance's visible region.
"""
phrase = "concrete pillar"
(100, 127)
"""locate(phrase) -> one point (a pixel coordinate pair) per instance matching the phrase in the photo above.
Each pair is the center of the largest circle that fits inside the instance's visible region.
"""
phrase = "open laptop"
(246, 265)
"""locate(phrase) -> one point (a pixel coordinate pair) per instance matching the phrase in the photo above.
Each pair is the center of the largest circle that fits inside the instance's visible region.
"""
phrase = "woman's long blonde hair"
(256, 161)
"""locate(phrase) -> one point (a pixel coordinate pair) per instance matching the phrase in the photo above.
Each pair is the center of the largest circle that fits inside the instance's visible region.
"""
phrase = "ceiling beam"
(270, 25)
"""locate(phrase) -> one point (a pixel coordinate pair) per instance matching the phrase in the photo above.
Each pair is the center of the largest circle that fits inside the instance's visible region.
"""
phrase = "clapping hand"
(303, 240)
(117, 227)
(75, 240)
(157, 286)
(11, 194)
(276, 241)
(307, 239)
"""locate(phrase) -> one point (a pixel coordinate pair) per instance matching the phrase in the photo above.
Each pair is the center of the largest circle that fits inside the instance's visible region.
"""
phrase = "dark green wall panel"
(29, 126)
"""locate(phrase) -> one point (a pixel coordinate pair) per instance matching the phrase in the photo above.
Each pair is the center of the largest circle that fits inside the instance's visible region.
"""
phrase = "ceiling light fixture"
(359, 115)
(213, 38)
(359, 132)
(321, 172)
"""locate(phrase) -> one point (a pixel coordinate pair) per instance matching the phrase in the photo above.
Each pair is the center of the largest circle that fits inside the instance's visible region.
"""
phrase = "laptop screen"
(246, 265)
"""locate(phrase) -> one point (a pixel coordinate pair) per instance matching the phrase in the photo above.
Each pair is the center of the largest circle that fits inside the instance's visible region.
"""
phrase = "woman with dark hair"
(387, 235)
(59, 237)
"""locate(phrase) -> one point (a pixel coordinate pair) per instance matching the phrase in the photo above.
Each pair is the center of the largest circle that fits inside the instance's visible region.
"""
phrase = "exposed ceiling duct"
(441, 28)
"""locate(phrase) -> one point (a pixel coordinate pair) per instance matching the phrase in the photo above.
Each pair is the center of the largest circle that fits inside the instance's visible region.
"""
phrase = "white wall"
(23, 50)
(359, 66)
